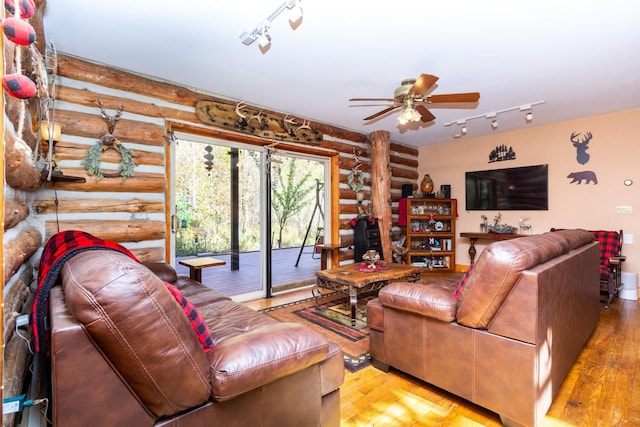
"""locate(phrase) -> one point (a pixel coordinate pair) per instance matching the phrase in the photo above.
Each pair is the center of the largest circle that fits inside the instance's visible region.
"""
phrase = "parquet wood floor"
(602, 388)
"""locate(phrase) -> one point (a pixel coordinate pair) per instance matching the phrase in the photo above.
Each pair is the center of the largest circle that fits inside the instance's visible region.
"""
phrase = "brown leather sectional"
(124, 354)
(527, 309)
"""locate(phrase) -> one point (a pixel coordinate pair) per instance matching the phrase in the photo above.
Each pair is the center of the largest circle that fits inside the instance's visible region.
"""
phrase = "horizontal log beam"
(87, 98)
(94, 126)
(48, 205)
(141, 182)
(115, 230)
(71, 151)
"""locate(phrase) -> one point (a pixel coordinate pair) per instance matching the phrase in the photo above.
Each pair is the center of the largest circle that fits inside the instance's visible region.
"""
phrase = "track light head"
(295, 15)
(529, 117)
(264, 41)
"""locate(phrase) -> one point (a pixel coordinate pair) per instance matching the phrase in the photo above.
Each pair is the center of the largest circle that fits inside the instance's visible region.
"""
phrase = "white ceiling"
(581, 57)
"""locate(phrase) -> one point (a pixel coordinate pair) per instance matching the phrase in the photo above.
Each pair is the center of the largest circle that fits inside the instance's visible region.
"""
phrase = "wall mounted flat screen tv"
(523, 188)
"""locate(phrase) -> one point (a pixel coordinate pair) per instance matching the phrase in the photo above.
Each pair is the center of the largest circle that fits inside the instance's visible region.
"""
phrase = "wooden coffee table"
(352, 281)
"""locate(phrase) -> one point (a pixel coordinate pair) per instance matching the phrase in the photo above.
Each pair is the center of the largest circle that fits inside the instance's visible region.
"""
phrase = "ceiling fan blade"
(454, 97)
(372, 99)
(425, 114)
(423, 84)
(380, 113)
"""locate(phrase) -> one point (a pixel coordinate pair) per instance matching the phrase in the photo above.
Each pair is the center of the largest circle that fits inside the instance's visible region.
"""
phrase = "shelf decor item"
(426, 186)
(371, 257)
(500, 228)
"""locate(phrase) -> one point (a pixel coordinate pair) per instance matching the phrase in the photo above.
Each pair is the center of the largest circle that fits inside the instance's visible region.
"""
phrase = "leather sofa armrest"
(431, 301)
(163, 270)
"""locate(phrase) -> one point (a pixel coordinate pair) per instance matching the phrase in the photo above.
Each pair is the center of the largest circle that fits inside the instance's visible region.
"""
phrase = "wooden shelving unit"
(431, 231)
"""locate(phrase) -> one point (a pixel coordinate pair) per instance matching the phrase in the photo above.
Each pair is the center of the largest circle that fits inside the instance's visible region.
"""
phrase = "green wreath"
(93, 158)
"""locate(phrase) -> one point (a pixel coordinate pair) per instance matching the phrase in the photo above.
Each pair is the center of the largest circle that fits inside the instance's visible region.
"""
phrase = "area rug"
(331, 315)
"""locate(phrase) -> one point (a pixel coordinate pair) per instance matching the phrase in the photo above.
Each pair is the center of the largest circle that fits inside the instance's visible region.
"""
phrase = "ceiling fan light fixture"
(409, 114)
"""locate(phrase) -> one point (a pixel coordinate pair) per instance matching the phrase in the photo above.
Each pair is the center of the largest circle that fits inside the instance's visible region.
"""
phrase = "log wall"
(22, 236)
(150, 107)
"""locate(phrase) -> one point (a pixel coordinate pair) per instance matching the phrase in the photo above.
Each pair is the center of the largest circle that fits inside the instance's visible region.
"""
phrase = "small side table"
(197, 264)
(327, 249)
(474, 237)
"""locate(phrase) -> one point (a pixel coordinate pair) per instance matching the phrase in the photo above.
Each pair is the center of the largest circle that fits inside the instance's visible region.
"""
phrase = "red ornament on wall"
(27, 8)
(18, 31)
(19, 86)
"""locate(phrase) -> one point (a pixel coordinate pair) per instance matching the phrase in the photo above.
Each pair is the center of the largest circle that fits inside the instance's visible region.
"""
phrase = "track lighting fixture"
(260, 32)
(493, 116)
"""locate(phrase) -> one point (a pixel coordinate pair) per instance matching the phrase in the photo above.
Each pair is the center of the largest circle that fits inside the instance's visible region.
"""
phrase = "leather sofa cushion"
(262, 355)
(496, 271)
(142, 330)
(253, 349)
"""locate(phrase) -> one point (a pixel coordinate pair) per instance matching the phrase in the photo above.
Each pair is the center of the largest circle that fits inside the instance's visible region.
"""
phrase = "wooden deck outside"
(247, 278)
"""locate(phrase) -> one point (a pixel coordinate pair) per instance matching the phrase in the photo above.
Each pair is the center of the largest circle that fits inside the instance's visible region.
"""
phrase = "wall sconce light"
(51, 132)
(260, 32)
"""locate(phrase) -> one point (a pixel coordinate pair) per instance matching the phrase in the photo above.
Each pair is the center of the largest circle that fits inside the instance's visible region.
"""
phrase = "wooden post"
(381, 187)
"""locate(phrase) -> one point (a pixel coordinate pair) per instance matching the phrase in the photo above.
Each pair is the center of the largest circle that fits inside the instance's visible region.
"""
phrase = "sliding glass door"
(256, 209)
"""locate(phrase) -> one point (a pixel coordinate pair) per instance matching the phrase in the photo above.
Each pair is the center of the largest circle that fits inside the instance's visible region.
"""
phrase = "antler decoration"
(93, 158)
(243, 118)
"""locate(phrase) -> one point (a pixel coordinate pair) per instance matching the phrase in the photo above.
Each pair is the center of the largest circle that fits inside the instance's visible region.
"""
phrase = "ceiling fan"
(413, 97)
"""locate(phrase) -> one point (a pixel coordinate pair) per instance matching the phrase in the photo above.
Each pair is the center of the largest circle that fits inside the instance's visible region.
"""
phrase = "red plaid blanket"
(59, 249)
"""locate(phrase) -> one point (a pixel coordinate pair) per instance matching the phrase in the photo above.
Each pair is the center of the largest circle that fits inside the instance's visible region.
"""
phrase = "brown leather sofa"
(124, 354)
(524, 314)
